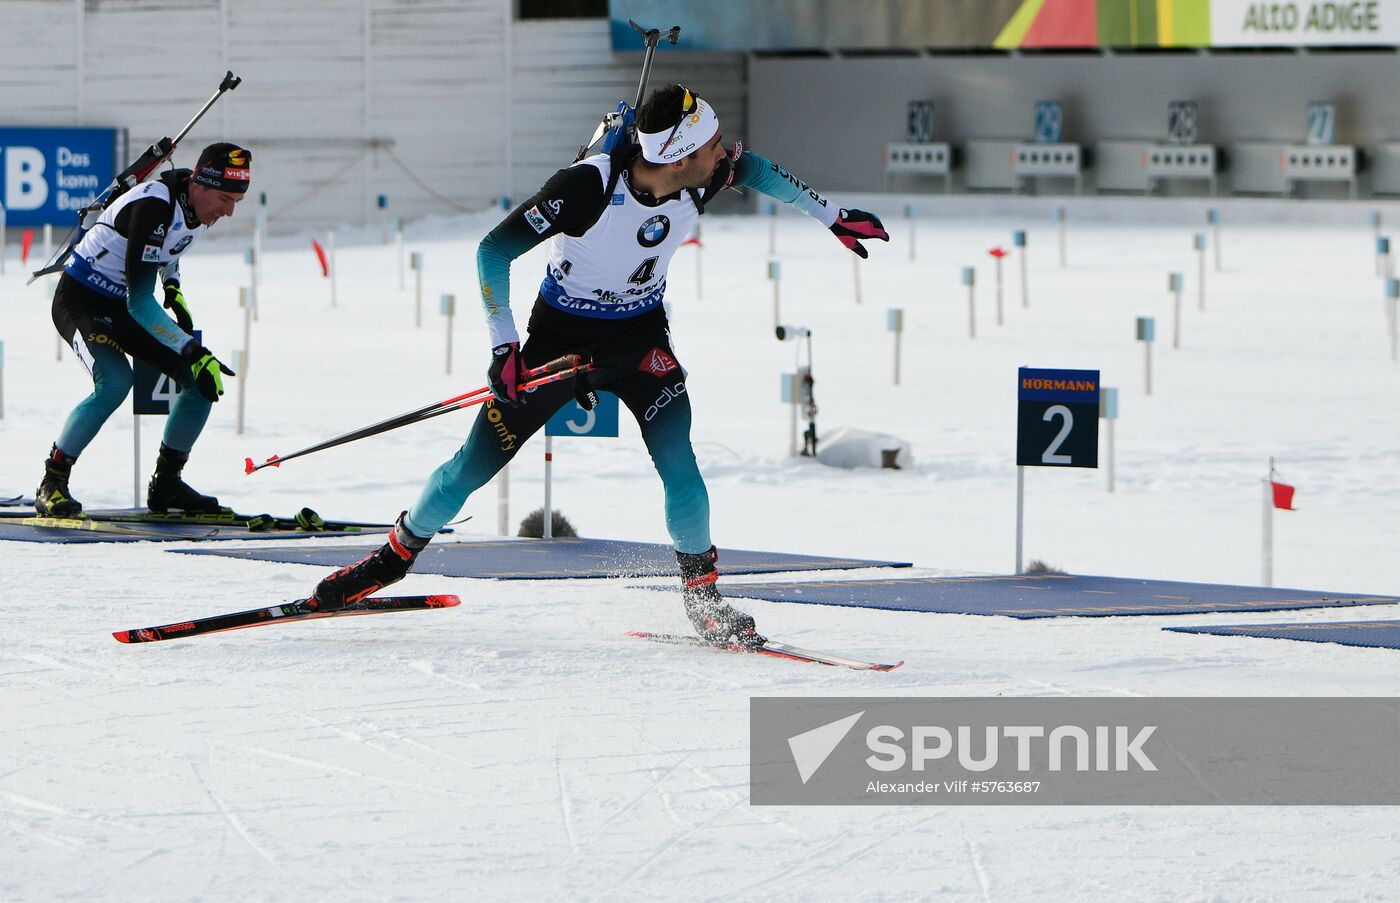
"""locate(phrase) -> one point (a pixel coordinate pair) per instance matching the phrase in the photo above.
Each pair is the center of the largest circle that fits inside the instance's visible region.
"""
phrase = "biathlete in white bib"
(613, 222)
(106, 309)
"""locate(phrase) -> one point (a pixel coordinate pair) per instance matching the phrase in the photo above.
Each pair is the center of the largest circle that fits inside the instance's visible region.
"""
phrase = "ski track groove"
(832, 867)
(1196, 775)
(239, 828)
(229, 817)
(565, 801)
(830, 844)
(385, 732)
(654, 786)
(37, 683)
(52, 809)
(72, 845)
(94, 890)
(336, 769)
(714, 785)
(661, 850)
(974, 857)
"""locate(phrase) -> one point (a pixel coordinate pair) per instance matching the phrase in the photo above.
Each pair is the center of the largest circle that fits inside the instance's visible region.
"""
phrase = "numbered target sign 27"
(1057, 418)
(573, 420)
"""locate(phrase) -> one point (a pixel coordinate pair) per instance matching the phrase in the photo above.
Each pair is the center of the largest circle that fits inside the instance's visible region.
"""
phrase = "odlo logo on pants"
(668, 395)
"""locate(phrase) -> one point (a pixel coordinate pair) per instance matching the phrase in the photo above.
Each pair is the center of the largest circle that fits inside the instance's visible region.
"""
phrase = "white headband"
(694, 132)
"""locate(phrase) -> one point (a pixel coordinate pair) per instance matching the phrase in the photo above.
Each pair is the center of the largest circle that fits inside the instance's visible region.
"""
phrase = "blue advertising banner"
(48, 174)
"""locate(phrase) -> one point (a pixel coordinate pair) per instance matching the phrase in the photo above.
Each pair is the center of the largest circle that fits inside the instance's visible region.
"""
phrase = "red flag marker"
(998, 252)
(25, 244)
(321, 256)
(1283, 495)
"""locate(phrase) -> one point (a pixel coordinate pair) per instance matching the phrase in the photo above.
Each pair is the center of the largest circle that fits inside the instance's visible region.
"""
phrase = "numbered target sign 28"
(573, 420)
(1057, 418)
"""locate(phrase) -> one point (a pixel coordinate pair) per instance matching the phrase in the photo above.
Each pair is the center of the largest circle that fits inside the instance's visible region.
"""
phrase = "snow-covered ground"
(520, 745)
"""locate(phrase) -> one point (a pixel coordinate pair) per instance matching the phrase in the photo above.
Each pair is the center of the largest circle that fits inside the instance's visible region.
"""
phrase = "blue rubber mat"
(544, 559)
(1375, 634)
(1046, 596)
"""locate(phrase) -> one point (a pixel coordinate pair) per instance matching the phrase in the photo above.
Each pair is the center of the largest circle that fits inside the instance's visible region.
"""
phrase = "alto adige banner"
(1239, 23)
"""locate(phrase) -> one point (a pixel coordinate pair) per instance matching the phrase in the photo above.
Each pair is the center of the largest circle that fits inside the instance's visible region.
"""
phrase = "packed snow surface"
(522, 747)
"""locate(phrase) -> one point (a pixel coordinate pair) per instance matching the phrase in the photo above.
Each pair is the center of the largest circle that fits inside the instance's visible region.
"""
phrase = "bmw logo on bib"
(653, 231)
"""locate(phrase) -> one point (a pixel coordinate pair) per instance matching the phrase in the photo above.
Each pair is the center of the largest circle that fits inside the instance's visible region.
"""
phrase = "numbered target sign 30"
(573, 420)
(1057, 418)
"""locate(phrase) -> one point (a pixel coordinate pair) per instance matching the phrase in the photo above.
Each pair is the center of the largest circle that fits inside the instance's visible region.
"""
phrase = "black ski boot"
(52, 498)
(714, 619)
(372, 573)
(166, 490)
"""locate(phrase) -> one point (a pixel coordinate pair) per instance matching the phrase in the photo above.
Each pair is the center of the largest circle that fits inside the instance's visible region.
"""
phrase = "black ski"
(300, 610)
(304, 521)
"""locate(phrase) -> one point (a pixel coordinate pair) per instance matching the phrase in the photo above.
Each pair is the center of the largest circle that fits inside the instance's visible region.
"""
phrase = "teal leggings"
(662, 409)
(111, 382)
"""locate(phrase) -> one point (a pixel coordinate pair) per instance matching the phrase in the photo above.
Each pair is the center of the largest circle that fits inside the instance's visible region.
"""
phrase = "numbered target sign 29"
(573, 420)
(1057, 418)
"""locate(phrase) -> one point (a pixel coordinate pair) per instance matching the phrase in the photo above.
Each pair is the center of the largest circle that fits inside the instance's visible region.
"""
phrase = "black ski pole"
(553, 371)
(130, 177)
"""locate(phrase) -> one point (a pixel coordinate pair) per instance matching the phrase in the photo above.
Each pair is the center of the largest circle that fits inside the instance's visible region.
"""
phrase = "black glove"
(583, 392)
(505, 373)
(206, 372)
(853, 225)
(175, 303)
